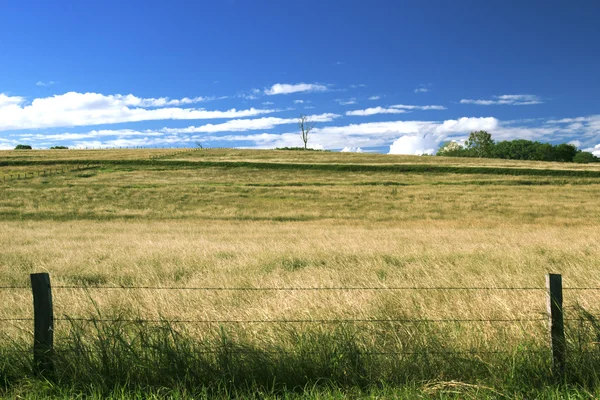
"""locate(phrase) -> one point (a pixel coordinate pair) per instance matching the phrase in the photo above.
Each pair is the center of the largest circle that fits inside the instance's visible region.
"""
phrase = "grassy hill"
(289, 219)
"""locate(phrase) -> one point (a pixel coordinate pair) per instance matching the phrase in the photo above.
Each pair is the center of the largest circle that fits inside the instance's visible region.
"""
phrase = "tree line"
(480, 144)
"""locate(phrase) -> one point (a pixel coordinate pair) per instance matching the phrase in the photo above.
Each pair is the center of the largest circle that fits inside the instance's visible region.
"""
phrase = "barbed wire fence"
(16, 176)
(44, 321)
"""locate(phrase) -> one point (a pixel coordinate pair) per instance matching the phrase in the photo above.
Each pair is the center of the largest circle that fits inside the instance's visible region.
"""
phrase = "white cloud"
(466, 125)
(414, 145)
(375, 110)
(240, 125)
(351, 150)
(80, 109)
(246, 96)
(286, 88)
(568, 120)
(7, 144)
(363, 135)
(507, 99)
(594, 150)
(298, 101)
(422, 88)
(368, 134)
(6, 100)
(167, 141)
(374, 97)
(346, 102)
(49, 83)
(69, 136)
(267, 103)
(395, 109)
(412, 107)
(359, 85)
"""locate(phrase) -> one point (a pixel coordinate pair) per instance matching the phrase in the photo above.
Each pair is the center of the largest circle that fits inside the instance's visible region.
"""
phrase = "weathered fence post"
(556, 323)
(43, 323)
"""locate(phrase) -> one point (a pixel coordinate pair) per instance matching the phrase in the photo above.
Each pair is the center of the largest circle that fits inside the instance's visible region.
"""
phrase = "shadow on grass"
(104, 356)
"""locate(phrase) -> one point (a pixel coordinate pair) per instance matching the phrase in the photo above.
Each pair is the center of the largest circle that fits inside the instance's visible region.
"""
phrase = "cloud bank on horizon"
(69, 119)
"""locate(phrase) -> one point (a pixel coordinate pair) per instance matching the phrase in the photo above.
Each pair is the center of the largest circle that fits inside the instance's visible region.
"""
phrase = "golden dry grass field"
(179, 222)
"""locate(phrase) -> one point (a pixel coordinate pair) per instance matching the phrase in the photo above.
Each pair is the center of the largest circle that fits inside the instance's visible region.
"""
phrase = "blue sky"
(387, 76)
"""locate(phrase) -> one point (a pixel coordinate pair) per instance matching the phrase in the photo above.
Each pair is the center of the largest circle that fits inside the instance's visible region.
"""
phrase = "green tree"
(481, 142)
(544, 152)
(23, 147)
(565, 152)
(583, 157)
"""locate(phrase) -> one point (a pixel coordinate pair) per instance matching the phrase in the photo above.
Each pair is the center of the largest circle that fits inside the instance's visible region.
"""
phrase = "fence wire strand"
(300, 321)
(335, 288)
(366, 288)
(290, 352)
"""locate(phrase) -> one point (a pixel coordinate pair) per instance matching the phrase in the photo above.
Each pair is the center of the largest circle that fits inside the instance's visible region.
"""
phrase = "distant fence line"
(46, 172)
(62, 170)
(130, 148)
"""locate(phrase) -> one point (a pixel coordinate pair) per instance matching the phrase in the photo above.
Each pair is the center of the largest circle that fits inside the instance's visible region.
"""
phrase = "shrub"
(23, 147)
(59, 148)
(583, 157)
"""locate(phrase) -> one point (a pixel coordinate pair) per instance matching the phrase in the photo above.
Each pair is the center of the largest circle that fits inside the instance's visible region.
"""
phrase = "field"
(364, 224)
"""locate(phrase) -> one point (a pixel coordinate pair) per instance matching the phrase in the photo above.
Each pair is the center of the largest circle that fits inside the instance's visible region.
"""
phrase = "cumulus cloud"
(375, 110)
(374, 97)
(6, 100)
(369, 134)
(507, 99)
(287, 88)
(80, 109)
(351, 150)
(411, 136)
(414, 145)
(594, 150)
(467, 125)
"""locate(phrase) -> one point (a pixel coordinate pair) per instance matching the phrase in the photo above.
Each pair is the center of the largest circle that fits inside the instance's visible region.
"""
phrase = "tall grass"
(100, 357)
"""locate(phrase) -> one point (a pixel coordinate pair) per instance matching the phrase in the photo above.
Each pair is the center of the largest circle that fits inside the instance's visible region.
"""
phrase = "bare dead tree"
(305, 125)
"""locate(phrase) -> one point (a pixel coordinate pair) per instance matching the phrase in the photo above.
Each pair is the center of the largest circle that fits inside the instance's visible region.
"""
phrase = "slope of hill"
(283, 219)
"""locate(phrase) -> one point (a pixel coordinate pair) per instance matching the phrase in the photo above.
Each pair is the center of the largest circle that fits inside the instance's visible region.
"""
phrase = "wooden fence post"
(556, 323)
(43, 332)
